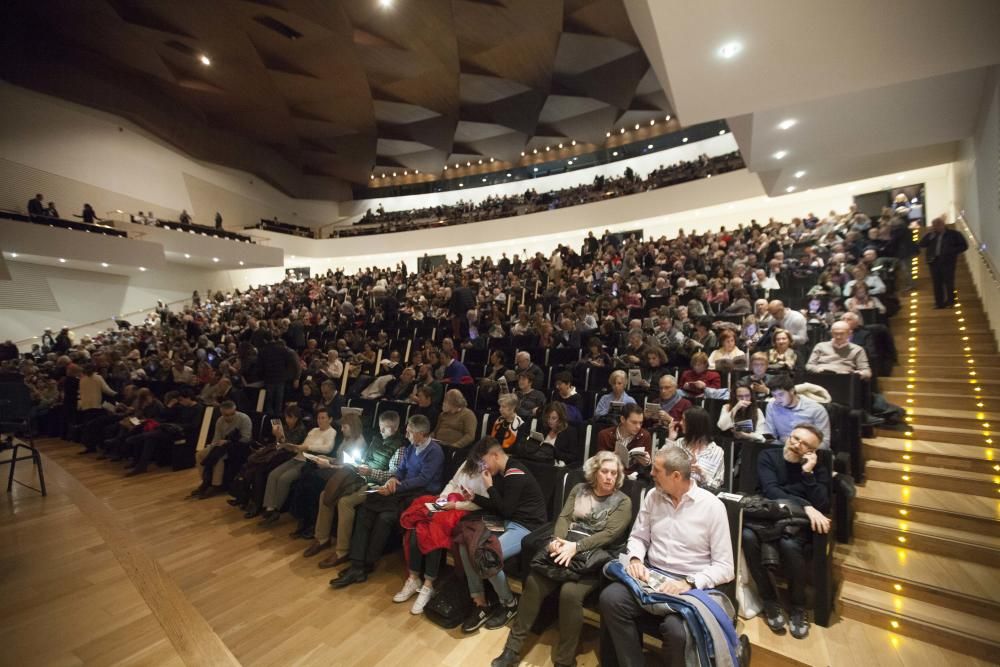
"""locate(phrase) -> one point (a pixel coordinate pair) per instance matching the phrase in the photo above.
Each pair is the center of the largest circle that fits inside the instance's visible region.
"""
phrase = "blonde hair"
(594, 463)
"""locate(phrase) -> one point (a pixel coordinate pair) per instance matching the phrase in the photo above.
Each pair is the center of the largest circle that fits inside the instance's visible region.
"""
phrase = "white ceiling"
(876, 87)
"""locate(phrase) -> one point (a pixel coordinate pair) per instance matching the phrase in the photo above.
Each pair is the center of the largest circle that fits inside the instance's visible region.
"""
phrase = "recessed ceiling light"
(637, 126)
(534, 151)
(790, 188)
(372, 177)
(406, 172)
(667, 118)
(722, 132)
(382, 176)
(394, 174)
(608, 134)
(456, 165)
(205, 60)
(416, 171)
(215, 259)
(652, 121)
(780, 154)
(684, 140)
(484, 180)
(105, 264)
(800, 174)
(621, 131)
(480, 162)
(536, 168)
(787, 124)
(446, 167)
(241, 262)
(560, 145)
(573, 143)
(650, 147)
(547, 148)
(13, 254)
(615, 154)
(491, 160)
(187, 256)
(508, 174)
(62, 261)
(385, 4)
(142, 268)
(461, 185)
(730, 50)
(522, 153)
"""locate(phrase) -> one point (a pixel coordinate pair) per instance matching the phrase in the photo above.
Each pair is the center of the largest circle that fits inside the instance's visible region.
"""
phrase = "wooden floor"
(115, 571)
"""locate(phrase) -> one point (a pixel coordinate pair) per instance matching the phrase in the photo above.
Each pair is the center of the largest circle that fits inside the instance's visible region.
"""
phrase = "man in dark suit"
(35, 207)
(942, 247)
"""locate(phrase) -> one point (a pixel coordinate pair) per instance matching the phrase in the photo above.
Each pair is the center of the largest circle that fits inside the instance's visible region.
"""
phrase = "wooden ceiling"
(312, 94)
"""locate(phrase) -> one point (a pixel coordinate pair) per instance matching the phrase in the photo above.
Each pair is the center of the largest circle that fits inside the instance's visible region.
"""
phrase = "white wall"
(642, 165)
(72, 154)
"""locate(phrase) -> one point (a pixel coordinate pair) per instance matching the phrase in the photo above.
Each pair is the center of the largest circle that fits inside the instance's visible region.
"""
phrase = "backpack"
(451, 602)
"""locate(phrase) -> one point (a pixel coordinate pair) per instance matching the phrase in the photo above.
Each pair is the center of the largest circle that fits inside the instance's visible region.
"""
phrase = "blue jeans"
(510, 545)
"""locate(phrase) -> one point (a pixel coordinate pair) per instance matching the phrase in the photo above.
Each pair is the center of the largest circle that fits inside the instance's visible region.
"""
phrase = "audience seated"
(707, 458)
(682, 535)
(319, 441)
(230, 443)
(740, 418)
(596, 515)
(789, 473)
(839, 355)
(616, 398)
(787, 410)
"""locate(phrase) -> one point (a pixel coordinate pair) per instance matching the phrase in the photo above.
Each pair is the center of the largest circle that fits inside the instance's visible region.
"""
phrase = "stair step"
(948, 582)
(969, 458)
(959, 386)
(932, 477)
(940, 508)
(931, 397)
(955, 371)
(927, 538)
(960, 436)
(944, 359)
(957, 415)
(979, 341)
(971, 634)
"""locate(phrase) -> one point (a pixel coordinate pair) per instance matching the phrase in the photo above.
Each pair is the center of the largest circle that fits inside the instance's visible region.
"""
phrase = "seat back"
(15, 403)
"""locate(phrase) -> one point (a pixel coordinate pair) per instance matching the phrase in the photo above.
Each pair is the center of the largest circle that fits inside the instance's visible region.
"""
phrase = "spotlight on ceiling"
(522, 153)
(560, 145)
(416, 171)
(205, 60)
(394, 174)
(652, 121)
(241, 262)
(372, 177)
(142, 268)
(730, 50)
(790, 188)
(786, 124)
(446, 167)
(608, 134)
(534, 151)
(456, 165)
(667, 118)
(547, 148)
(780, 154)
(215, 259)
(480, 162)
(684, 140)
(800, 174)
(468, 164)
(187, 256)
(385, 4)
(621, 131)
(573, 143)
(62, 261)
(492, 160)
(637, 126)
(105, 264)
(721, 132)
(406, 173)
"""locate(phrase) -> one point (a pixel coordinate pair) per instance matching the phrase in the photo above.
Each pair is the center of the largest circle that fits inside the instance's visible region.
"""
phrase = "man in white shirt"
(790, 320)
(681, 529)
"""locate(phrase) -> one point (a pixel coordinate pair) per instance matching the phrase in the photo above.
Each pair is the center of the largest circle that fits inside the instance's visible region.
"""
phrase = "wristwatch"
(690, 582)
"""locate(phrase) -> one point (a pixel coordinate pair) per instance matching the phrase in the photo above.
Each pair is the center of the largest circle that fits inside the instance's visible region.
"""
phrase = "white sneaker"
(422, 599)
(409, 589)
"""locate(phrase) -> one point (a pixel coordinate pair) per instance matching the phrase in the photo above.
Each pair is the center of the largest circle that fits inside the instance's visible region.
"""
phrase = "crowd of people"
(378, 386)
(381, 221)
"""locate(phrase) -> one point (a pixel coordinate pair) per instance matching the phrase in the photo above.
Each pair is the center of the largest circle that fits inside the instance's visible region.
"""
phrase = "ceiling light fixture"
(730, 50)
(608, 134)
(13, 254)
(721, 132)
(416, 171)
(484, 180)
(480, 162)
(667, 118)
(461, 185)
(446, 167)
(205, 60)
(385, 4)
(394, 174)
(800, 174)
(468, 164)
(787, 124)
(492, 160)
(241, 262)
(105, 264)
(649, 147)
(637, 126)
(560, 145)
(780, 154)
(382, 176)
(456, 165)
(142, 268)
(215, 259)
(534, 151)
(508, 174)
(790, 188)
(372, 177)
(652, 121)
(187, 256)
(615, 154)
(536, 168)
(62, 261)
(573, 143)
(621, 131)
(406, 173)
(547, 148)
(522, 153)
(684, 140)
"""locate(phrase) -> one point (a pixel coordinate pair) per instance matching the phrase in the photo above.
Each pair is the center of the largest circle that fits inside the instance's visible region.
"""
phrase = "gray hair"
(390, 417)
(674, 459)
(455, 399)
(508, 401)
(617, 374)
(419, 423)
(595, 462)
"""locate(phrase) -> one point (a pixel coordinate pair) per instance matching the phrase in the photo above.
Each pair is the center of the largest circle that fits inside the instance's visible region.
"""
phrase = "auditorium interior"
(500, 332)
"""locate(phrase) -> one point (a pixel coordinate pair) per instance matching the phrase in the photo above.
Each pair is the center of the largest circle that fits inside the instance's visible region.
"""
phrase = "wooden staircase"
(925, 561)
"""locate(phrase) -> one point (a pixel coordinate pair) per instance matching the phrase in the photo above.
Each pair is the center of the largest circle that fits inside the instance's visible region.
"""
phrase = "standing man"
(942, 246)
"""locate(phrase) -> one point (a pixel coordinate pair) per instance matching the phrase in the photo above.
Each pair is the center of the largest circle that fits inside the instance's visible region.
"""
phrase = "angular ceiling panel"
(308, 94)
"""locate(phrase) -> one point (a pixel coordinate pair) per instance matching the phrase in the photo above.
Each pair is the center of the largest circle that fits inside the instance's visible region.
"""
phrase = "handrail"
(27, 341)
(975, 243)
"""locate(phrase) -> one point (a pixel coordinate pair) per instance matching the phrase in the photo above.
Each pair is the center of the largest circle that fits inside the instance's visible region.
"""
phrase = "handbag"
(582, 564)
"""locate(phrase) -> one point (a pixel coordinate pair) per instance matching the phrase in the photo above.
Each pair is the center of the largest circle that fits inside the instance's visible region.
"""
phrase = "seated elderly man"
(670, 403)
(789, 473)
(839, 355)
(788, 410)
(523, 363)
(231, 439)
(681, 529)
(790, 320)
